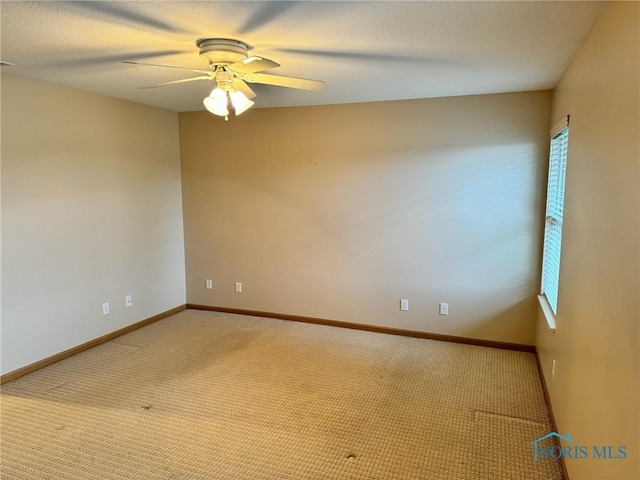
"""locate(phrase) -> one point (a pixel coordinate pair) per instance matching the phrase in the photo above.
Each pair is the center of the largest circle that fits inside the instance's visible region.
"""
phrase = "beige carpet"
(203, 395)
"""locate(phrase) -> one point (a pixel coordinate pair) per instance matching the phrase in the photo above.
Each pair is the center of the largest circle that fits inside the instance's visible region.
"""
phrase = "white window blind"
(554, 214)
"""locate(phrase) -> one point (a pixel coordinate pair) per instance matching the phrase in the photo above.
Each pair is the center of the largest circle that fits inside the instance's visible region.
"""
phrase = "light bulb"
(240, 102)
(216, 102)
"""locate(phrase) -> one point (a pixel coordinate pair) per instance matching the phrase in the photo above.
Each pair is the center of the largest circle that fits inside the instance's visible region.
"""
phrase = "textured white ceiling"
(363, 51)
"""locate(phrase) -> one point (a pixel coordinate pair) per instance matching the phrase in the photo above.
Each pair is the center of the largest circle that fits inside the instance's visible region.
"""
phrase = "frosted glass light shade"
(240, 102)
(216, 102)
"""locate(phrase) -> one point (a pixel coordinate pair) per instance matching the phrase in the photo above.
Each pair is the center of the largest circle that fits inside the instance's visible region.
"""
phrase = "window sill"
(548, 313)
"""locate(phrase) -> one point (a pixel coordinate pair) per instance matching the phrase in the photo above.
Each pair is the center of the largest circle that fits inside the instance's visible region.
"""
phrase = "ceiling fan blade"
(7, 64)
(280, 81)
(183, 80)
(241, 86)
(252, 64)
(165, 66)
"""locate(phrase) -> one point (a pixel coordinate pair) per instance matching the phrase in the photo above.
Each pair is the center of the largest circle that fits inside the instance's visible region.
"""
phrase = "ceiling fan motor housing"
(222, 51)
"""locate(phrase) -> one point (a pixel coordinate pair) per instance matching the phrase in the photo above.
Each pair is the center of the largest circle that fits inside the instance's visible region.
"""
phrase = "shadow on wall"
(505, 323)
(459, 225)
(337, 212)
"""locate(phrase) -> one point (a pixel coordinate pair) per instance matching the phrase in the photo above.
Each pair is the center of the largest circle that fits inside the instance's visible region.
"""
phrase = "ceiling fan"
(231, 67)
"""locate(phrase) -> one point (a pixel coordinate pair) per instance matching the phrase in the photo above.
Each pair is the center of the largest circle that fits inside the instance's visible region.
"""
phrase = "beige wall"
(91, 212)
(595, 390)
(338, 212)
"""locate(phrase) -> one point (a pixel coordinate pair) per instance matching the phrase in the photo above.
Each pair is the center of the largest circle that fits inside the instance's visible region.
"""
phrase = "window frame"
(554, 216)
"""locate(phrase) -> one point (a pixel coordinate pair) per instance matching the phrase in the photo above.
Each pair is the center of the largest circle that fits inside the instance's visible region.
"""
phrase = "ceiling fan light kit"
(231, 67)
(218, 102)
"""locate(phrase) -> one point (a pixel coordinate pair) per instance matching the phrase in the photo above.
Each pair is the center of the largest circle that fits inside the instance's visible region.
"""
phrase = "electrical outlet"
(209, 284)
(404, 304)
(105, 308)
(238, 287)
(553, 369)
(444, 309)
(128, 301)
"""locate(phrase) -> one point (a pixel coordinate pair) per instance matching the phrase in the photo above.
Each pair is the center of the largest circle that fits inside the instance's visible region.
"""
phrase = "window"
(553, 219)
